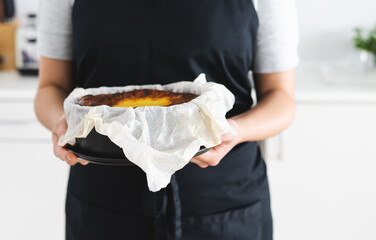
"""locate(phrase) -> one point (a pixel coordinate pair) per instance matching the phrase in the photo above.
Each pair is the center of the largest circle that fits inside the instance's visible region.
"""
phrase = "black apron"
(123, 42)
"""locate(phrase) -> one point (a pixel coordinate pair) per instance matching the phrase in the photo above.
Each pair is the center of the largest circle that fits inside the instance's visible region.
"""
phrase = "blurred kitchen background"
(322, 170)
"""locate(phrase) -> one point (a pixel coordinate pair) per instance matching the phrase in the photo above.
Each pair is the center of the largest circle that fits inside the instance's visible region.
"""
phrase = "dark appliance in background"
(26, 46)
(2, 11)
(7, 10)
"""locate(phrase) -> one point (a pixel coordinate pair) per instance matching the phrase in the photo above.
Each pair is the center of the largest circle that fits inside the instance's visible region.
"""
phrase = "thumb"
(227, 137)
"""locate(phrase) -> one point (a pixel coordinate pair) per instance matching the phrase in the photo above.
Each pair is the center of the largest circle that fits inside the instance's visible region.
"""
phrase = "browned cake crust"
(116, 98)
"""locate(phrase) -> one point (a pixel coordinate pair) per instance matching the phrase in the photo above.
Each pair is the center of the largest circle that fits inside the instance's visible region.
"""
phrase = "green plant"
(367, 43)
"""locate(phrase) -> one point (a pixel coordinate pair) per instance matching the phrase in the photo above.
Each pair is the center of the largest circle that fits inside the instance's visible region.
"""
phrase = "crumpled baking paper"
(160, 140)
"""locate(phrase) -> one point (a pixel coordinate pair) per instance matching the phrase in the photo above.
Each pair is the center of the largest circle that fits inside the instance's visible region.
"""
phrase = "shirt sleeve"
(55, 29)
(277, 38)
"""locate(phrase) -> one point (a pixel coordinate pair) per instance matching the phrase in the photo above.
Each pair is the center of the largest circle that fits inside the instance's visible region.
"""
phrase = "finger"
(82, 162)
(65, 155)
(208, 162)
(204, 157)
(212, 161)
(60, 152)
(211, 157)
(214, 155)
(199, 163)
(71, 158)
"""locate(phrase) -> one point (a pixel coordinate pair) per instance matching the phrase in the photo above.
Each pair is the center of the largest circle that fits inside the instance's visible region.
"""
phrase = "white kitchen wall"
(327, 27)
(25, 6)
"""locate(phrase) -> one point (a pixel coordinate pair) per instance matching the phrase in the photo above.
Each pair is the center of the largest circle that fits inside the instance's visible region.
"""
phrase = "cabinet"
(32, 180)
(322, 173)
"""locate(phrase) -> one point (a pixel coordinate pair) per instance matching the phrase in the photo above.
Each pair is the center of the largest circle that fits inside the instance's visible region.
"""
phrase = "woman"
(222, 194)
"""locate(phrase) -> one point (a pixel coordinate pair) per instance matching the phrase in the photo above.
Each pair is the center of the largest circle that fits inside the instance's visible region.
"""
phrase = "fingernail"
(69, 158)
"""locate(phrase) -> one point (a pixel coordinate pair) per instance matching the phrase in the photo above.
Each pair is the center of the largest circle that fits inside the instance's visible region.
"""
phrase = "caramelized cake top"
(137, 98)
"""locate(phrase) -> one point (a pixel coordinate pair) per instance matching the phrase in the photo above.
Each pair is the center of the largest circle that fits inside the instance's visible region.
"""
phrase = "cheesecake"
(137, 98)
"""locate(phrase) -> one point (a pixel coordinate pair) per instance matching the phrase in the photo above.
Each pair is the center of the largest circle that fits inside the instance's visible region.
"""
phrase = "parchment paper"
(160, 140)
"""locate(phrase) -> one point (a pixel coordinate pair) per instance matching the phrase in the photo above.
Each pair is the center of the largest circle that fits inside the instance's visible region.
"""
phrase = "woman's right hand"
(59, 151)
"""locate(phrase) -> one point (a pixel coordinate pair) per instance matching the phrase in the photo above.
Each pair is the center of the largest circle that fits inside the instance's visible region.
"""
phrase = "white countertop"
(15, 86)
(314, 84)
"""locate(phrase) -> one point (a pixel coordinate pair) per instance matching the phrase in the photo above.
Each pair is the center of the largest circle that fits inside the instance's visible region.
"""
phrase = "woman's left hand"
(215, 155)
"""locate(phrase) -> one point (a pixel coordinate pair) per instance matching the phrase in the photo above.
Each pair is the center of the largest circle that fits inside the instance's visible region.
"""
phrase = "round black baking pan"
(98, 148)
